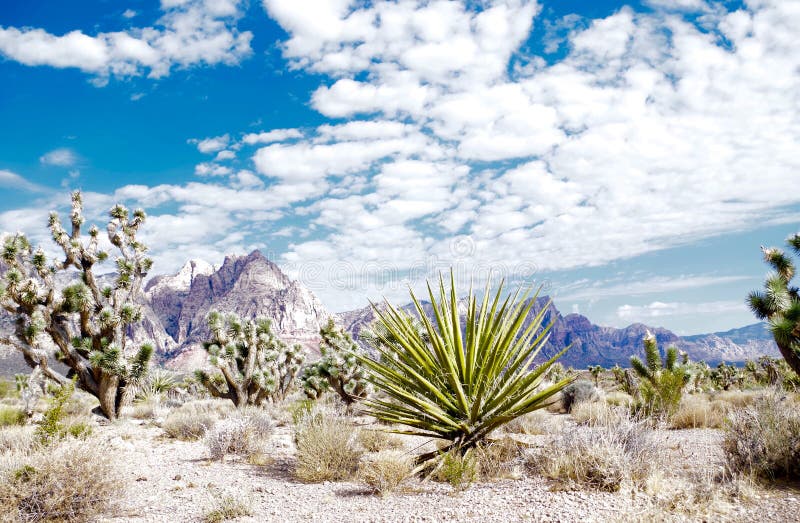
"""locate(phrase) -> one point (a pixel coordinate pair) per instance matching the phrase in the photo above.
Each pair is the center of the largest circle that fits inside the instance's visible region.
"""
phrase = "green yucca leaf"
(458, 374)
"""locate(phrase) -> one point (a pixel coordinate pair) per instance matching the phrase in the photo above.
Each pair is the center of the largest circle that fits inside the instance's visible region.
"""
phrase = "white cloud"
(224, 155)
(212, 145)
(658, 309)
(62, 157)
(192, 32)
(211, 169)
(12, 180)
(276, 135)
(654, 285)
(129, 13)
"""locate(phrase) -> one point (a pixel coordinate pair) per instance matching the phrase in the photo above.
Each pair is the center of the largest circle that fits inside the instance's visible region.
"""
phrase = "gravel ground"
(173, 481)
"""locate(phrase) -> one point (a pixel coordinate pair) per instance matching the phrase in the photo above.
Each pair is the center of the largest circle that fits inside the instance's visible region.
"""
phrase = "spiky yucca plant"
(779, 302)
(254, 364)
(459, 382)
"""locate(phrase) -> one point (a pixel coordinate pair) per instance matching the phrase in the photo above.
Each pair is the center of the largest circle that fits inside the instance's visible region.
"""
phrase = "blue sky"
(631, 157)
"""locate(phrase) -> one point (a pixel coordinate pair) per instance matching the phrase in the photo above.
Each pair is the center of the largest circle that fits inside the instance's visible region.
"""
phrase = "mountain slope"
(592, 344)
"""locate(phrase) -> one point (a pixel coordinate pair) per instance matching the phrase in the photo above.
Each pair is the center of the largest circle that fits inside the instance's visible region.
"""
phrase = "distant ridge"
(175, 307)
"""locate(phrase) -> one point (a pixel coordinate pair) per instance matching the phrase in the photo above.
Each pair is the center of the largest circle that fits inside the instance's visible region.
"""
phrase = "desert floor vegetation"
(598, 463)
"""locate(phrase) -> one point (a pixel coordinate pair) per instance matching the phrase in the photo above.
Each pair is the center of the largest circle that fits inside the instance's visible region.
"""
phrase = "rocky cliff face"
(247, 285)
(167, 294)
(592, 344)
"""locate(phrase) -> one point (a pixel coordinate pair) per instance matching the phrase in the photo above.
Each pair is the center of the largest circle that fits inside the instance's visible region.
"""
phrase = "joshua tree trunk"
(110, 395)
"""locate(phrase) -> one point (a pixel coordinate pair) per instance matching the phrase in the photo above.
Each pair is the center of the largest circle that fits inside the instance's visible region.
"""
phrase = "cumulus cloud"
(191, 32)
(212, 145)
(62, 157)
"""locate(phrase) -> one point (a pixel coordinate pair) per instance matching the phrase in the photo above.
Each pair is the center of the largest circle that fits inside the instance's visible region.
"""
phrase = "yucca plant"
(779, 302)
(459, 382)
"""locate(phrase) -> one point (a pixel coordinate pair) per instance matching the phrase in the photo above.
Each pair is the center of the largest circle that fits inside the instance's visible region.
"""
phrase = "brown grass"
(376, 440)
(603, 457)
(72, 481)
(326, 447)
(697, 411)
(763, 439)
(534, 423)
(386, 471)
(191, 420)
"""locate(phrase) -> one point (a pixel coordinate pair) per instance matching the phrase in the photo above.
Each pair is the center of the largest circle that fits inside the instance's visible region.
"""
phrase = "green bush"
(662, 382)
(52, 426)
(11, 416)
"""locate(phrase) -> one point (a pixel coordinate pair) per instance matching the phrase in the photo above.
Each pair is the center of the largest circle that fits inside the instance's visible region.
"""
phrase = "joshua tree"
(254, 364)
(595, 371)
(458, 384)
(661, 382)
(725, 376)
(86, 321)
(338, 369)
(779, 302)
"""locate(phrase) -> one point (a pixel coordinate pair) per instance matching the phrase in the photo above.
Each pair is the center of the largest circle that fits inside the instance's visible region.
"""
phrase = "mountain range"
(175, 307)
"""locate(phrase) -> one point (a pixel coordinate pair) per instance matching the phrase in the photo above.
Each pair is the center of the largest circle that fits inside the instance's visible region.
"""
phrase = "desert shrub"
(457, 469)
(70, 481)
(533, 423)
(497, 458)
(11, 416)
(376, 440)
(595, 413)
(191, 420)
(739, 398)
(8, 388)
(17, 439)
(385, 471)
(578, 392)
(763, 439)
(602, 457)
(227, 508)
(52, 426)
(299, 408)
(619, 399)
(326, 447)
(698, 412)
(454, 379)
(239, 435)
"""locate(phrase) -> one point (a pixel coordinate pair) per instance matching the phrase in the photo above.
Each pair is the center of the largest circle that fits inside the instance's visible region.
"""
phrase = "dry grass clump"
(72, 481)
(376, 440)
(244, 434)
(699, 497)
(385, 471)
(603, 457)
(763, 439)
(534, 423)
(326, 447)
(697, 412)
(17, 439)
(619, 399)
(227, 508)
(191, 420)
(595, 413)
(498, 459)
(739, 398)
